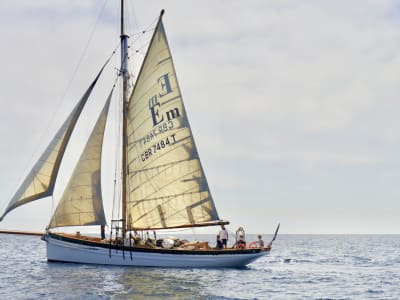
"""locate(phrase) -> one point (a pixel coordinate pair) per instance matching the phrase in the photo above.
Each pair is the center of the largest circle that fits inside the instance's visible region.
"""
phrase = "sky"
(293, 104)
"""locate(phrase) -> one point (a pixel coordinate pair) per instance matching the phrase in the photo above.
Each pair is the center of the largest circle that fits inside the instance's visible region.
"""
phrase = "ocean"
(299, 267)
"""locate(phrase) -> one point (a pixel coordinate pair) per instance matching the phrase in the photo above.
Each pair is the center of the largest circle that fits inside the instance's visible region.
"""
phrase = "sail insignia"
(166, 184)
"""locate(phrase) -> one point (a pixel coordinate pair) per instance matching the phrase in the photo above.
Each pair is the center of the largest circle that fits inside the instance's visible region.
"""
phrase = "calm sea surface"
(299, 267)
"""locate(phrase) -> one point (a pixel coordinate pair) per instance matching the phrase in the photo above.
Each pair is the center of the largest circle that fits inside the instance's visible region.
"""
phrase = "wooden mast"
(125, 76)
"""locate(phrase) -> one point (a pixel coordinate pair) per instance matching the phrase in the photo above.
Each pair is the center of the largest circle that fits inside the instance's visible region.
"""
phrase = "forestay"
(41, 179)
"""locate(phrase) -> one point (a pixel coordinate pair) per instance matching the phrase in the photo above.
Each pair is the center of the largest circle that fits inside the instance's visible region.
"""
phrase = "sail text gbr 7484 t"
(163, 184)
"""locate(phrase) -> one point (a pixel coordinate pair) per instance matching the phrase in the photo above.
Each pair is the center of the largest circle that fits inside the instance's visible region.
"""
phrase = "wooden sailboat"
(163, 184)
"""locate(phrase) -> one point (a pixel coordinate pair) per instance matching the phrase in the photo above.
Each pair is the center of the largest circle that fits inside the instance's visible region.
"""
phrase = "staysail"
(166, 185)
(81, 202)
(41, 179)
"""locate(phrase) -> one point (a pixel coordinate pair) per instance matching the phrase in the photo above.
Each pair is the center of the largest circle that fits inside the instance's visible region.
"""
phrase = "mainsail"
(41, 179)
(166, 185)
(81, 202)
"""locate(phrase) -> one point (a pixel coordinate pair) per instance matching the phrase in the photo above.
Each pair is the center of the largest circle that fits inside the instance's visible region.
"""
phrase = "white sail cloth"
(41, 179)
(81, 202)
(166, 185)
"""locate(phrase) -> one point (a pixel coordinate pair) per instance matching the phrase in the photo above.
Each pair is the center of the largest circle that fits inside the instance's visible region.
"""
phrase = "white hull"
(88, 253)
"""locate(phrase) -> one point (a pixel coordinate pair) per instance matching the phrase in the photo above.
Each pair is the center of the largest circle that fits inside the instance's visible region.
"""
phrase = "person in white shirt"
(260, 241)
(223, 234)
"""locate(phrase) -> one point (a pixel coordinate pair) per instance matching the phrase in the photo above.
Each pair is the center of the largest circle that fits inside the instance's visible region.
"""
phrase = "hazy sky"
(293, 104)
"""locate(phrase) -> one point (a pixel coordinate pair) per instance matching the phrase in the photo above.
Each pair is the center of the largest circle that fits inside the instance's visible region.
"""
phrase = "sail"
(166, 185)
(41, 179)
(81, 202)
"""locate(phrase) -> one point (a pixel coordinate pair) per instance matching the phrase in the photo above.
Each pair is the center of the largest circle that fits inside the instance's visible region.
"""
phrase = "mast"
(124, 74)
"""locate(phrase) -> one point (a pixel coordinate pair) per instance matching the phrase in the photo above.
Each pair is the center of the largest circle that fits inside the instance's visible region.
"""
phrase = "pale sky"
(293, 104)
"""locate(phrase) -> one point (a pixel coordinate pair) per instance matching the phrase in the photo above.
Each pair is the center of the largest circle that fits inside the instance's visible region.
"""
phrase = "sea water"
(299, 267)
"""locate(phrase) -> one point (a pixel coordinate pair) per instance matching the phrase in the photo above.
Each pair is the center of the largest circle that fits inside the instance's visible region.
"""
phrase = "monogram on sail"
(163, 183)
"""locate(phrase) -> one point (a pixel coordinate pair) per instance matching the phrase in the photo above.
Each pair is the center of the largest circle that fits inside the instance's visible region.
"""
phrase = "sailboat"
(163, 184)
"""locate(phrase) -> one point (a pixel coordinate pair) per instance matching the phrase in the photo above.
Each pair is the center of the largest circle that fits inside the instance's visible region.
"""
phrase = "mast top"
(122, 18)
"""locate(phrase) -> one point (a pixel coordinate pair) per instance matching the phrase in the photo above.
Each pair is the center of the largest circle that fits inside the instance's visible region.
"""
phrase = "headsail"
(81, 202)
(166, 185)
(41, 179)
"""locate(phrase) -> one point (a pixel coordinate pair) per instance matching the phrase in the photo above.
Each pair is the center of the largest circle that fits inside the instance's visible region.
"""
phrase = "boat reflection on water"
(156, 283)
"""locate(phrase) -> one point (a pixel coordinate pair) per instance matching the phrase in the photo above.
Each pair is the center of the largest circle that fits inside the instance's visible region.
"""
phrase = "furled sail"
(166, 185)
(41, 179)
(81, 202)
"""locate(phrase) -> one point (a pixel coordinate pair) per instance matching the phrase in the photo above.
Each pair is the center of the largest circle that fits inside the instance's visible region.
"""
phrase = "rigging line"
(141, 34)
(61, 99)
(130, 69)
(139, 49)
(132, 12)
(115, 214)
(115, 174)
(116, 194)
(137, 54)
(81, 58)
(85, 48)
(138, 34)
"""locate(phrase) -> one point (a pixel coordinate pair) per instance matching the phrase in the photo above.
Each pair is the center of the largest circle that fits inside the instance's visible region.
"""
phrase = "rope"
(59, 102)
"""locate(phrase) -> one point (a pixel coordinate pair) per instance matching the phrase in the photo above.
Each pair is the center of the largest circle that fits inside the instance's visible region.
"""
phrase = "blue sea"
(299, 267)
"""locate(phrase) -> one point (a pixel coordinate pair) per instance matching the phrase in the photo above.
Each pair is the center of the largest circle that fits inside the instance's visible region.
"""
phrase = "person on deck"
(219, 243)
(223, 234)
(241, 243)
(103, 231)
(260, 241)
